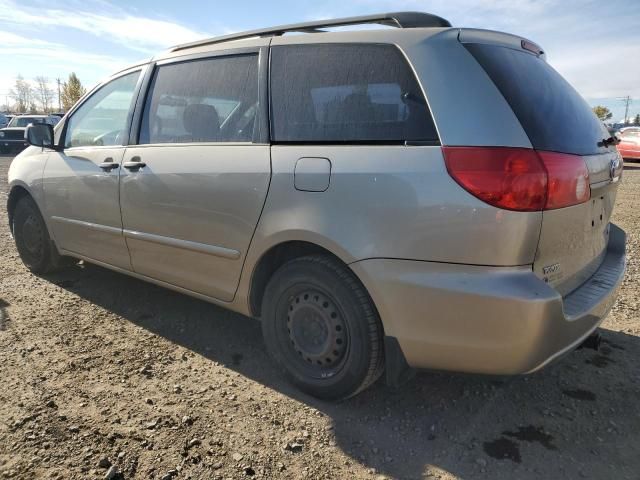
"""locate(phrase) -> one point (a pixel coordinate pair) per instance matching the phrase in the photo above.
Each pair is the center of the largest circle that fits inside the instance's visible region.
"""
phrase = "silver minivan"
(418, 197)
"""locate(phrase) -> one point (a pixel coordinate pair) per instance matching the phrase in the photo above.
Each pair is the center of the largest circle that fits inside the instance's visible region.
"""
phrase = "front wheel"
(322, 328)
(32, 239)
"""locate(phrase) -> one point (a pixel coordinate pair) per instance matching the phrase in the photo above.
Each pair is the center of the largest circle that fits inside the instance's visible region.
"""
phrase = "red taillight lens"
(510, 178)
(568, 182)
(519, 179)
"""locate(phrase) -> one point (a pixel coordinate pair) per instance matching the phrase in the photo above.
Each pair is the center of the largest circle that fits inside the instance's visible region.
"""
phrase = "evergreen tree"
(603, 113)
(72, 91)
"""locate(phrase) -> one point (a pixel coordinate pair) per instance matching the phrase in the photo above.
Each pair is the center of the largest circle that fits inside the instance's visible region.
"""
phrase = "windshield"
(24, 121)
(630, 134)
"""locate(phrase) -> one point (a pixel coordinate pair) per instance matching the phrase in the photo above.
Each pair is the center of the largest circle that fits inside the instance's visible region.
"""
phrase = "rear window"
(346, 93)
(552, 113)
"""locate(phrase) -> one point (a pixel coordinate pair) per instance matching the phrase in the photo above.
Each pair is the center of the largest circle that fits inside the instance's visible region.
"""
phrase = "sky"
(594, 44)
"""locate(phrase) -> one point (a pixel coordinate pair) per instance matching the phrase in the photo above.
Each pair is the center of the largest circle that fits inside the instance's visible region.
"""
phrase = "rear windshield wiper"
(613, 140)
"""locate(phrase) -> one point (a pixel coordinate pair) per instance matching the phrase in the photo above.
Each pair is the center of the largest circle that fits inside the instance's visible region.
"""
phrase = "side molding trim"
(158, 239)
(184, 244)
(88, 225)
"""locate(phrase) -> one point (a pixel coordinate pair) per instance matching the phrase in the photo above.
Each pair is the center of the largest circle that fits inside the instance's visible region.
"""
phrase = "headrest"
(201, 121)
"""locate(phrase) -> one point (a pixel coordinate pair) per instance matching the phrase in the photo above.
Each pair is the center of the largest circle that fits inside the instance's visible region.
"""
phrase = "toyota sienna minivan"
(418, 197)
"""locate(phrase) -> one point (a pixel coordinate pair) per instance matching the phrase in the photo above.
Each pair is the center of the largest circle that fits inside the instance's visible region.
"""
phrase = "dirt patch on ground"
(103, 375)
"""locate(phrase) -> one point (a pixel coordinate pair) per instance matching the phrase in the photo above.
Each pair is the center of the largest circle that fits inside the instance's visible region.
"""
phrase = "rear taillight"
(568, 179)
(519, 179)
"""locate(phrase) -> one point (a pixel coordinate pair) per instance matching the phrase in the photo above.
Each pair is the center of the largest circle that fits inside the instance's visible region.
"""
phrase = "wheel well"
(16, 194)
(271, 261)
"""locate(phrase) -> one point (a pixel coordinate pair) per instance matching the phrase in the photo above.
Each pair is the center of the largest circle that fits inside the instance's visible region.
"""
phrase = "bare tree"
(22, 94)
(44, 93)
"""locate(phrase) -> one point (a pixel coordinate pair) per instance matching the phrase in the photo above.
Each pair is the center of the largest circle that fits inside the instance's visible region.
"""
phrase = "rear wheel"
(322, 328)
(32, 239)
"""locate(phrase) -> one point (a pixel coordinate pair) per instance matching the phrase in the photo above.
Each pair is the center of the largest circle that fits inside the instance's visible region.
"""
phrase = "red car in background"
(629, 146)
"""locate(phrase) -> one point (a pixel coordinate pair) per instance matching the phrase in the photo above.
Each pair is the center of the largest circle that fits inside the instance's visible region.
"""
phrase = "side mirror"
(39, 135)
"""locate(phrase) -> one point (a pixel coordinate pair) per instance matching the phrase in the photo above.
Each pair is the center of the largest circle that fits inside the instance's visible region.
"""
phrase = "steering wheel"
(100, 139)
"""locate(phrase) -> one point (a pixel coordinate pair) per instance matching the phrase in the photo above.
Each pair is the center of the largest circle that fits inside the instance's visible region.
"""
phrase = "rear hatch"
(556, 118)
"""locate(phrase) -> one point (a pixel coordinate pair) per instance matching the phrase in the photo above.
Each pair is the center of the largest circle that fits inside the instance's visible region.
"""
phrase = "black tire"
(32, 239)
(322, 328)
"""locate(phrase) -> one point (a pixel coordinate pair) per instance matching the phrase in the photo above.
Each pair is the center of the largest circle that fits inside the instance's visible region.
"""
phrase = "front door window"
(102, 119)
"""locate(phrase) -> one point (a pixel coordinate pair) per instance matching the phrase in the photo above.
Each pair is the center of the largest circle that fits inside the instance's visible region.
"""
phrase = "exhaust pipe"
(592, 342)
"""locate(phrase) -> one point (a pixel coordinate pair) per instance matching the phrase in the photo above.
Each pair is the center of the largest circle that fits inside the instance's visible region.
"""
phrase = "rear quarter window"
(551, 111)
(334, 93)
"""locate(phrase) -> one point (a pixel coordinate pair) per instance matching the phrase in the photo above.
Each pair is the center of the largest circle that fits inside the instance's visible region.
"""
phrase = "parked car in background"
(12, 136)
(629, 129)
(629, 145)
(391, 198)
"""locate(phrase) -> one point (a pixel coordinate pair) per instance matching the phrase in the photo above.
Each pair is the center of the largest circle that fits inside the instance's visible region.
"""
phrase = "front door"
(81, 181)
(193, 188)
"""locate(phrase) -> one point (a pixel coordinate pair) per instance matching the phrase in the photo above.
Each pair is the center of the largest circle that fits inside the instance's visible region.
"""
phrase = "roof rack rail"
(394, 19)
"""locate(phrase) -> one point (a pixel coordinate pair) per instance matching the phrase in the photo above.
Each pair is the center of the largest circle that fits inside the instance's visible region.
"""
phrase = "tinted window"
(210, 100)
(102, 119)
(552, 113)
(346, 93)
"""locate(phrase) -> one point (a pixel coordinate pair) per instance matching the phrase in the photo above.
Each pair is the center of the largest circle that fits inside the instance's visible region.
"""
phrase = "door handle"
(134, 164)
(108, 164)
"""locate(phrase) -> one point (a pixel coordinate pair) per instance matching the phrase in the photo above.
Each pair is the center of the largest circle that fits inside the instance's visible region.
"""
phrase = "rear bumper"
(493, 320)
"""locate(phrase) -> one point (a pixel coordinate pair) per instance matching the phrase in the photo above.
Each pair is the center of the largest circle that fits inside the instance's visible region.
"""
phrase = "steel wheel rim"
(313, 332)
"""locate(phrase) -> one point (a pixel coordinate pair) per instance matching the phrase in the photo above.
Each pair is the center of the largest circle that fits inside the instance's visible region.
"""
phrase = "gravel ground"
(104, 376)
